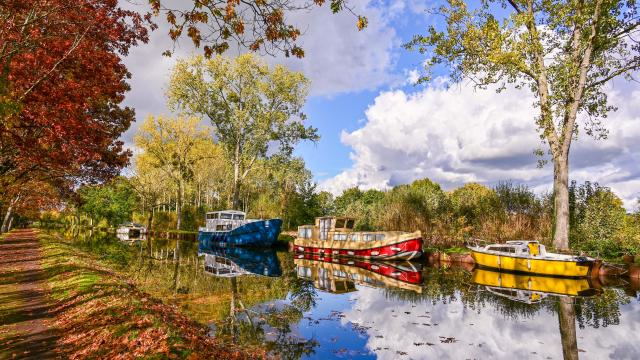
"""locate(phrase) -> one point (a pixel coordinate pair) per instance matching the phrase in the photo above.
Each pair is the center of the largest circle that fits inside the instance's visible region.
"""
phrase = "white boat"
(130, 231)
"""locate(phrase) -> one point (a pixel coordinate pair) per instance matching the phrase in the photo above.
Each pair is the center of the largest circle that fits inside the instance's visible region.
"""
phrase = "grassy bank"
(101, 315)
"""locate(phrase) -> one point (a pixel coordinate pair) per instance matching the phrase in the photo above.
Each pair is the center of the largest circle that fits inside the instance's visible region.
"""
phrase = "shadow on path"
(25, 307)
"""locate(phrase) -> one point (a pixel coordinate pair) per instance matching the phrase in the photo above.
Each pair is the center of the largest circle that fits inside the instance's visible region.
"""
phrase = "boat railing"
(476, 242)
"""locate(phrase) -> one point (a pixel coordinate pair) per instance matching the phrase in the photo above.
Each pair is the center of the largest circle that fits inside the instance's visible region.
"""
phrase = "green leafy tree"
(475, 202)
(256, 111)
(564, 52)
(113, 201)
(174, 146)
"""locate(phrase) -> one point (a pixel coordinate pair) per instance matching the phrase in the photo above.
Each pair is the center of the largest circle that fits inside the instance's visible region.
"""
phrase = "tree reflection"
(567, 322)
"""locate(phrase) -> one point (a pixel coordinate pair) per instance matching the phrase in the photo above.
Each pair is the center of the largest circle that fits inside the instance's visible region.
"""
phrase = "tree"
(256, 25)
(175, 146)
(563, 51)
(61, 84)
(256, 111)
(113, 201)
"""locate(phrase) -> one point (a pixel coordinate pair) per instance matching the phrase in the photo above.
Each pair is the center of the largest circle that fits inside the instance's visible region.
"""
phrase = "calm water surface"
(330, 308)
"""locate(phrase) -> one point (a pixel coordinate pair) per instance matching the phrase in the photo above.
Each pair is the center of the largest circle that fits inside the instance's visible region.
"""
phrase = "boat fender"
(350, 252)
(529, 264)
(374, 253)
(335, 252)
(396, 249)
(375, 267)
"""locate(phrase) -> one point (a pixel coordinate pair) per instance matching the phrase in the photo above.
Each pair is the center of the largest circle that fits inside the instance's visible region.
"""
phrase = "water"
(323, 308)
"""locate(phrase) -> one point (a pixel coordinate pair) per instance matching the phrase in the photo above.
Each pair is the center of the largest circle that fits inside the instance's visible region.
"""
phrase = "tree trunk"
(179, 206)
(10, 223)
(567, 322)
(7, 215)
(561, 202)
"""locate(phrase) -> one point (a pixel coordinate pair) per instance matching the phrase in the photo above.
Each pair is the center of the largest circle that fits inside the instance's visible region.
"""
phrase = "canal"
(311, 307)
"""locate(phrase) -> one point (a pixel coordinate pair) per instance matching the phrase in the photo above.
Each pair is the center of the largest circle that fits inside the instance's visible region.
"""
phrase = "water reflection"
(340, 275)
(235, 261)
(427, 312)
(530, 288)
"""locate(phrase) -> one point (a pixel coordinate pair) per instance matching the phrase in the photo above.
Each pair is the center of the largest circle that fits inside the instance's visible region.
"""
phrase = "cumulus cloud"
(457, 135)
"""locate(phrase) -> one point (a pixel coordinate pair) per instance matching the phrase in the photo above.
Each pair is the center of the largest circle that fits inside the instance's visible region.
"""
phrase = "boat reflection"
(532, 289)
(340, 275)
(235, 261)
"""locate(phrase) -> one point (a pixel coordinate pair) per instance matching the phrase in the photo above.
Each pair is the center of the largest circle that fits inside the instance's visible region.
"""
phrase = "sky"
(378, 129)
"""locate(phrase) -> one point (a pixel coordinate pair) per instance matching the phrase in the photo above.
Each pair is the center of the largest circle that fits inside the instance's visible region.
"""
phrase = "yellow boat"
(536, 287)
(529, 256)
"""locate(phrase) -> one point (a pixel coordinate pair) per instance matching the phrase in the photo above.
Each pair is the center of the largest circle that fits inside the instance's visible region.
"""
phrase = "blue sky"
(378, 130)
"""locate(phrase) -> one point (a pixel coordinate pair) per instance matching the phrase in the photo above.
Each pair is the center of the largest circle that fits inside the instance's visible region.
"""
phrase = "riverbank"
(58, 301)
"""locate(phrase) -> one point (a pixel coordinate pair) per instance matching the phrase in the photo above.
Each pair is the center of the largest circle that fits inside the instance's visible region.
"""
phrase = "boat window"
(225, 216)
(340, 237)
(325, 225)
(354, 237)
(379, 237)
(221, 227)
(368, 237)
(508, 249)
(340, 223)
(238, 217)
(350, 224)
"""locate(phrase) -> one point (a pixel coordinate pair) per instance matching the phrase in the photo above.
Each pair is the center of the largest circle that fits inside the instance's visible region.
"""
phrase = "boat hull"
(541, 266)
(404, 249)
(261, 233)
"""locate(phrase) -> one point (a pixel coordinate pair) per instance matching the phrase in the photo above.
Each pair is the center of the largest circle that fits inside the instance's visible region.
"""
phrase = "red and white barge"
(334, 236)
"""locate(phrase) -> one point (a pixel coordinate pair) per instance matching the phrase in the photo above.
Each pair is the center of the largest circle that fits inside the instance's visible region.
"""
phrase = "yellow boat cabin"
(530, 256)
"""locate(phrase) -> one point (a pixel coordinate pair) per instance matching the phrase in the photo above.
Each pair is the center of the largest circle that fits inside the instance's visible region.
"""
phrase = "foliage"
(255, 110)
(563, 52)
(62, 82)
(114, 201)
(600, 224)
(174, 146)
(256, 25)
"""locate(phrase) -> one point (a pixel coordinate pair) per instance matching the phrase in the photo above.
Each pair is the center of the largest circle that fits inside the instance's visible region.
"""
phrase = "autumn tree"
(174, 145)
(256, 111)
(254, 25)
(62, 81)
(564, 52)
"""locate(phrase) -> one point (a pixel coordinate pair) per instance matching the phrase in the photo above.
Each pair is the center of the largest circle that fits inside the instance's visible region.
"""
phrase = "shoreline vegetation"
(599, 224)
(98, 313)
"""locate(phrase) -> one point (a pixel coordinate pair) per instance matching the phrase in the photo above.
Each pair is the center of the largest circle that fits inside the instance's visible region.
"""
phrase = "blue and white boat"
(232, 228)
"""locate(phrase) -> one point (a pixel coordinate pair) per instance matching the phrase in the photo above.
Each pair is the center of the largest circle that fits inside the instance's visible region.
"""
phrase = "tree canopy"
(256, 111)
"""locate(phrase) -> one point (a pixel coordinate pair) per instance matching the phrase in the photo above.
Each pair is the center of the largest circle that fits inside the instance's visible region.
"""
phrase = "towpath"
(25, 307)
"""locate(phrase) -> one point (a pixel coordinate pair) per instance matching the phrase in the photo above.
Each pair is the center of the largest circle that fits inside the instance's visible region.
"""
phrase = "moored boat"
(528, 256)
(232, 228)
(130, 231)
(333, 235)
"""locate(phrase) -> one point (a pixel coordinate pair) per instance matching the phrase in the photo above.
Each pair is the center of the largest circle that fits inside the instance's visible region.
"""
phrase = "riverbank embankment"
(60, 302)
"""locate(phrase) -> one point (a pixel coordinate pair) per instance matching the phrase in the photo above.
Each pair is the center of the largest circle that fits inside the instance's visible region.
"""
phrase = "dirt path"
(25, 331)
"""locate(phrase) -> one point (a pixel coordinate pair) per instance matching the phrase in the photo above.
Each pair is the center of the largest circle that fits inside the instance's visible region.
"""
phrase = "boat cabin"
(225, 220)
(519, 247)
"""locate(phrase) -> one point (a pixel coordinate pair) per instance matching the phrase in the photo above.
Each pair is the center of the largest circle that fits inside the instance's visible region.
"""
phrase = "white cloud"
(338, 58)
(459, 135)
